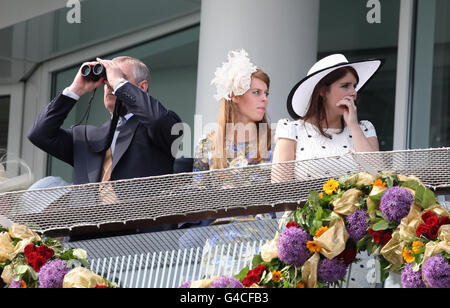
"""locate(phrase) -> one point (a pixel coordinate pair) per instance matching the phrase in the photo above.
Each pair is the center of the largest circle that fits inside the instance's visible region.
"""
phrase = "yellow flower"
(301, 285)
(380, 183)
(407, 256)
(276, 276)
(331, 186)
(321, 231)
(417, 246)
(312, 246)
(321, 195)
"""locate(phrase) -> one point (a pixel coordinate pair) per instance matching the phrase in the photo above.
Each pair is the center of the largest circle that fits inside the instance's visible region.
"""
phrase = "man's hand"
(81, 85)
(113, 72)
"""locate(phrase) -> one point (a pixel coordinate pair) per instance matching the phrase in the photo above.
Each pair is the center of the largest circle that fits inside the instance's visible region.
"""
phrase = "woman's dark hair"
(316, 109)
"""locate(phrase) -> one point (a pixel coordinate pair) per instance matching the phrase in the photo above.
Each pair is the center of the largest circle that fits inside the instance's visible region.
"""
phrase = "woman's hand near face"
(362, 144)
(351, 113)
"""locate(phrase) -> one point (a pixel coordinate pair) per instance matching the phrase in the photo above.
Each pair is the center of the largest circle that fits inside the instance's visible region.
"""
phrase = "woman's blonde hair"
(227, 113)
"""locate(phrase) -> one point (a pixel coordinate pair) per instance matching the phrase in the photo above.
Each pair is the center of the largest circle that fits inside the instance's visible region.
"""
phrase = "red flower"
(30, 248)
(444, 220)
(292, 224)
(101, 287)
(387, 236)
(381, 237)
(426, 216)
(258, 270)
(376, 235)
(433, 232)
(38, 263)
(250, 280)
(348, 255)
(254, 275)
(38, 256)
(45, 252)
(31, 257)
(430, 219)
(422, 230)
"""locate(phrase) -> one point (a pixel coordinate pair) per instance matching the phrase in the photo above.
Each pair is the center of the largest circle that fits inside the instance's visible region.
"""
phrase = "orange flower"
(331, 186)
(301, 285)
(23, 285)
(312, 246)
(276, 276)
(407, 256)
(321, 231)
(417, 246)
(321, 195)
(379, 182)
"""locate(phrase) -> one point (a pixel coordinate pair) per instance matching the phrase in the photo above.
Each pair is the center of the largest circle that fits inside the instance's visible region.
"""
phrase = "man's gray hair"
(140, 70)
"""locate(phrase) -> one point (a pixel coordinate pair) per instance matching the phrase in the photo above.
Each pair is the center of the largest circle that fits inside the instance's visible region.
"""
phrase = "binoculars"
(93, 72)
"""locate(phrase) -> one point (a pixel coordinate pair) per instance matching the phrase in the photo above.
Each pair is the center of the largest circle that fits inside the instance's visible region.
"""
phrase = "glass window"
(172, 61)
(4, 123)
(101, 20)
(344, 27)
(27, 44)
(430, 124)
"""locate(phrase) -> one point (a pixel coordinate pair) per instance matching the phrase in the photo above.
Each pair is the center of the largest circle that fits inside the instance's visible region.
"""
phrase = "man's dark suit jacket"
(142, 149)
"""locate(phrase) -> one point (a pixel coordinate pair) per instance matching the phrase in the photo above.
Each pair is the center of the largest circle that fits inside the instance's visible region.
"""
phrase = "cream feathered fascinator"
(234, 76)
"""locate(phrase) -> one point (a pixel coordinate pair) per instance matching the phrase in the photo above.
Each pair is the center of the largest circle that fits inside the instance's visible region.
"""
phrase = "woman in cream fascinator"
(242, 91)
(243, 136)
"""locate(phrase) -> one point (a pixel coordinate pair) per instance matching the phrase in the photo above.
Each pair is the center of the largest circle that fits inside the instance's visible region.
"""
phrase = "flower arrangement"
(28, 261)
(393, 217)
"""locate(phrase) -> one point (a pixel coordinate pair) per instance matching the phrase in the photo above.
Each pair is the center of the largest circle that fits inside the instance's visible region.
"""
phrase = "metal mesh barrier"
(211, 194)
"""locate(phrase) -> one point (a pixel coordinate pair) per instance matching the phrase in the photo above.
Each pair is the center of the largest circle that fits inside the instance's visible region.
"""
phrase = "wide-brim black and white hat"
(300, 96)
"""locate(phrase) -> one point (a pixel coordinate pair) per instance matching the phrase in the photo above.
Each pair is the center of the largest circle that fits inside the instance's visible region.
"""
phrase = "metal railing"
(162, 262)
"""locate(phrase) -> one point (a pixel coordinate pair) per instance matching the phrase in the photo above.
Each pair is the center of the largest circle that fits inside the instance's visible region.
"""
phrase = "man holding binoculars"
(136, 142)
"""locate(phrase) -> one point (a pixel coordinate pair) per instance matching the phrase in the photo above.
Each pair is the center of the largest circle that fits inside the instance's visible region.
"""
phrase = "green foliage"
(385, 267)
(376, 200)
(315, 214)
(425, 197)
(391, 180)
(446, 255)
(412, 184)
(242, 274)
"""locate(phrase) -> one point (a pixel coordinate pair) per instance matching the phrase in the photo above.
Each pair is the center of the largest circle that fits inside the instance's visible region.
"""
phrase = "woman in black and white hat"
(324, 107)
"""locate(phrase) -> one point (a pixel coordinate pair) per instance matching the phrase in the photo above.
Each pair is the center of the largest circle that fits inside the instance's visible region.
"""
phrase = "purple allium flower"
(225, 282)
(396, 203)
(15, 284)
(357, 224)
(411, 279)
(436, 271)
(186, 285)
(292, 246)
(331, 270)
(52, 274)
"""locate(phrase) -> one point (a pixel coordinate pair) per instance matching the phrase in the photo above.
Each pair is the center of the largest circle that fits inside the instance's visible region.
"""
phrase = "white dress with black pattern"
(312, 144)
